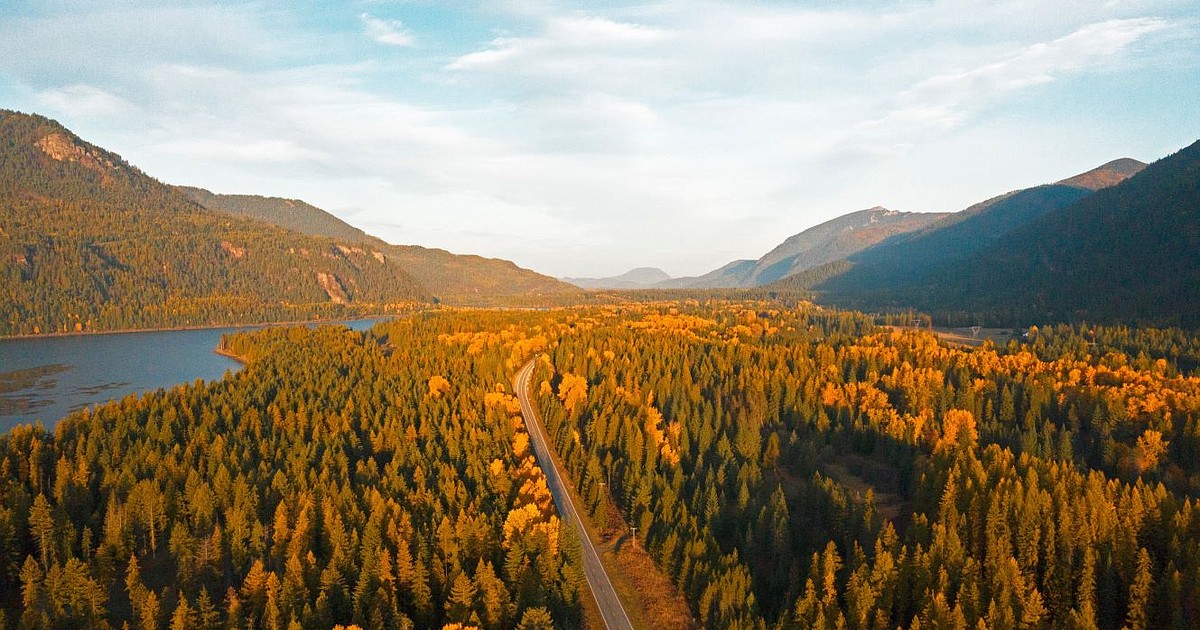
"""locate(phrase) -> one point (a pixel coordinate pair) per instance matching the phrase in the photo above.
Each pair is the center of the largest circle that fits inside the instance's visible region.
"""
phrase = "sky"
(587, 138)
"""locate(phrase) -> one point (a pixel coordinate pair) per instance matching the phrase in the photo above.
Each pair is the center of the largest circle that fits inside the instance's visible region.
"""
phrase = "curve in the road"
(607, 601)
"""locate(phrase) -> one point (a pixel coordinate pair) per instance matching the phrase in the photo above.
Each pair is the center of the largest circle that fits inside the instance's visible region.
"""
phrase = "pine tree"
(495, 597)
(184, 618)
(138, 593)
(148, 611)
(1138, 615)
(32, 595)
(41, 528)
(536, 619)
(31, 582)
(462, 599)
(207, 615)
(422, 593)
(1083, 617)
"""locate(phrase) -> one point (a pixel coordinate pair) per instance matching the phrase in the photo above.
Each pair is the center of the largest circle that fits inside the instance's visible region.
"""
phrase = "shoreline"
(132, 331)
(229, 355)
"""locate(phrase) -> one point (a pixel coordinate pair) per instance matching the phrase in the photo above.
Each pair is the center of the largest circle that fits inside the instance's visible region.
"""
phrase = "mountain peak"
(1105, 175)
(637, 278)
(646, 275)
(836, 239)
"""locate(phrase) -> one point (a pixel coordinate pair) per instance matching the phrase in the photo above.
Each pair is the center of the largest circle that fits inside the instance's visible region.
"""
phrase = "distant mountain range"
(1118, 243)
(640, 278)
(1129, 252)
(731, 275)
(888, 236)
(830, 241)
(89, 242)
(824, 243)
(451, 278)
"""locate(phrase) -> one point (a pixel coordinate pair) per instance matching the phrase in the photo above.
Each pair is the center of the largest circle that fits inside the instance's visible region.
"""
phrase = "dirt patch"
(333, 287)
(888, 501)
(233, 250)
(967, 337)
(653, 600)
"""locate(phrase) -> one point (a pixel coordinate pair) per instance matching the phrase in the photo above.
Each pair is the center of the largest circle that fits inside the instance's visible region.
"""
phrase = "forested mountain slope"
(451, 278)
(727, 276)
(292, 214)
(470, 280)
(910, 259)
(836, 239)
(829, 241)
(1105, 175)
(88, 242)
(1127, 253)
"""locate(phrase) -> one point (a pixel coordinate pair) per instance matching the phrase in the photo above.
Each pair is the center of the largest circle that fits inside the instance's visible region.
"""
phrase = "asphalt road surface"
(602, 589)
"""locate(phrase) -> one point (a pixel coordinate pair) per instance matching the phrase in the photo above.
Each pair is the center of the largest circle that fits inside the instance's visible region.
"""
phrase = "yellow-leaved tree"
(572, 391)
(438, 385)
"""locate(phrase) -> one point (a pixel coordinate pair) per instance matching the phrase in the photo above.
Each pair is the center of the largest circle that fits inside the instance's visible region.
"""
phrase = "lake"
(47, 378)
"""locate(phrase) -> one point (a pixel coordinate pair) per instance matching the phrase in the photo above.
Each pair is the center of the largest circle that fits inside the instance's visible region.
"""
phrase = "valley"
(744, 442)
(959, 420)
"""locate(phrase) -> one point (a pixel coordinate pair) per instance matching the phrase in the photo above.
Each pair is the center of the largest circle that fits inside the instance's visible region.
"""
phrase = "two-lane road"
(602, 589)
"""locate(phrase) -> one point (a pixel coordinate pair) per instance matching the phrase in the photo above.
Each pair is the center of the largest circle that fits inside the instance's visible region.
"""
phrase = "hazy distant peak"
(453, 278)
(835, 239)
(820, 244)
(1105, 175)
(732, 274)
(648, 275)
(638, 278)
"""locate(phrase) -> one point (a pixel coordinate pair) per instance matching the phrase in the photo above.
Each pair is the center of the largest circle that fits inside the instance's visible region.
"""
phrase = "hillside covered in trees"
(1129, 253)
(787, 467)
(1125, 253)
(88, 242)
(451, 278)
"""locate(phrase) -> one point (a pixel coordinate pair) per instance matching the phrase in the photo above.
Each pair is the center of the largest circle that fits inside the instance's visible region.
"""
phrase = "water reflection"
(47, 378)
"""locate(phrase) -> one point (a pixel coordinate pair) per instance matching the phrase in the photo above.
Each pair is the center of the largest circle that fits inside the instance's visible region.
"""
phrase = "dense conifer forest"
(803, 469)
(786, 467)
(340, 478)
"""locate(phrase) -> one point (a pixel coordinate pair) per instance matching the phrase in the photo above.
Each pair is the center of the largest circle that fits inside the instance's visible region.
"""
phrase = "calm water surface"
(48, 378)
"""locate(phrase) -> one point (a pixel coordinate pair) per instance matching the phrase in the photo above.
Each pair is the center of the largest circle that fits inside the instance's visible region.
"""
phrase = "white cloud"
(588, 140)
(588, 31)
(948, 100)
(253, 151)
(85, 101)
(588, 51)
(1041, 62)
(390, 32)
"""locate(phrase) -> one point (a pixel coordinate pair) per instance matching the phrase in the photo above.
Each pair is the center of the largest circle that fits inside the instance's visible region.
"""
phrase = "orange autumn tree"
(572, 391)
(958, 431)
(438, 385)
